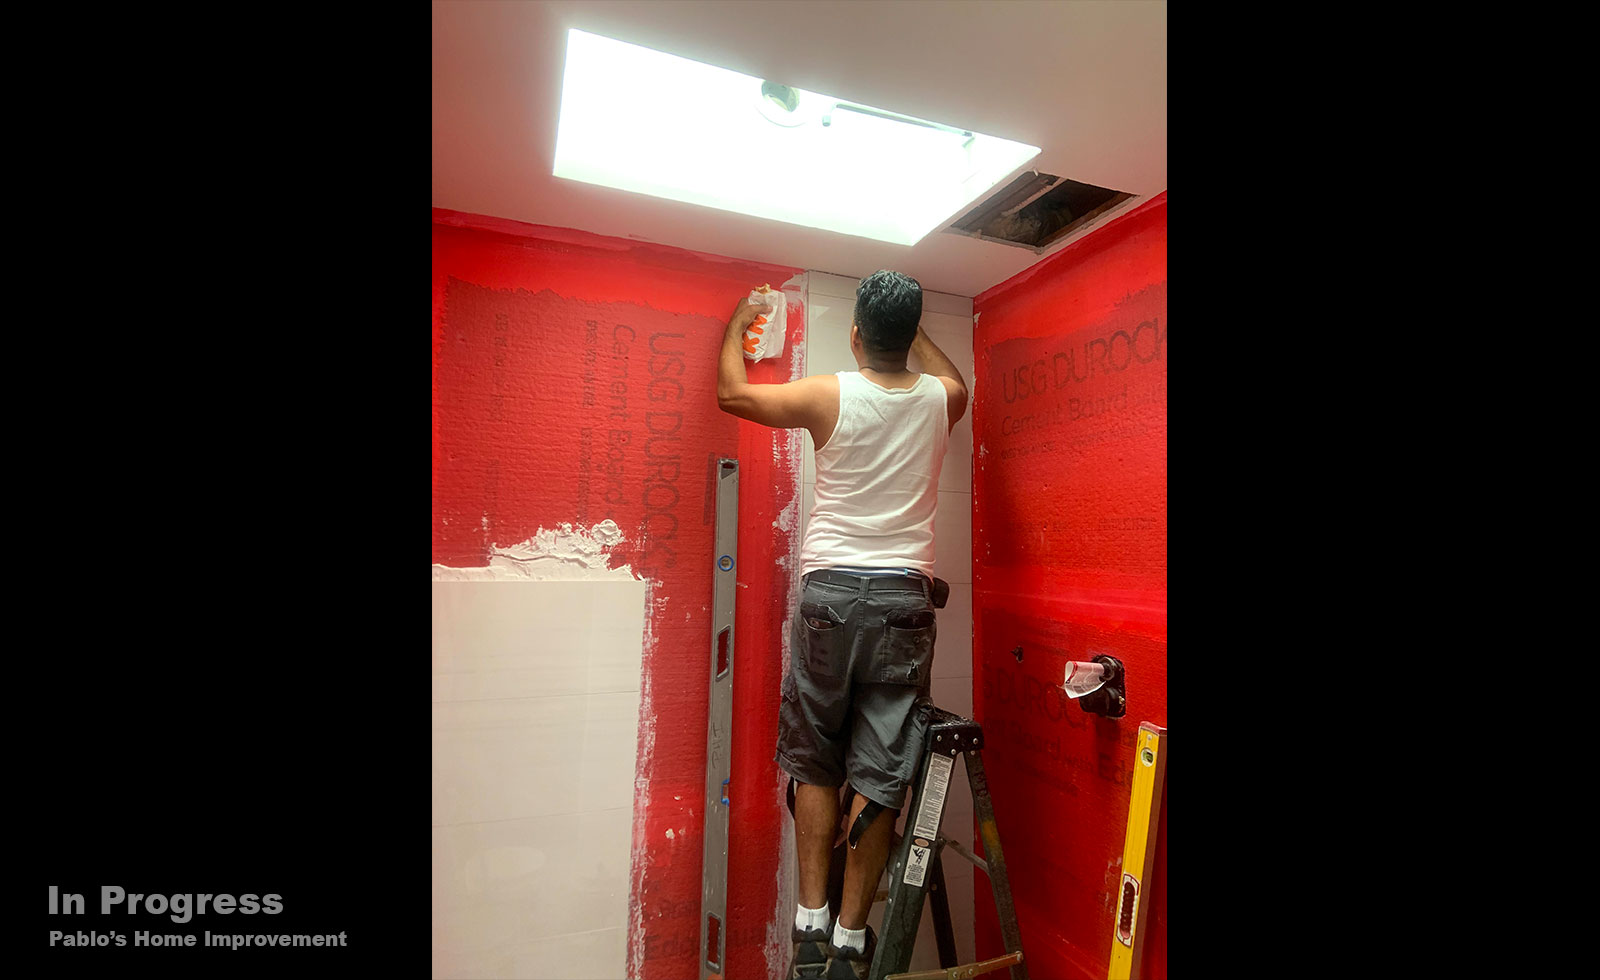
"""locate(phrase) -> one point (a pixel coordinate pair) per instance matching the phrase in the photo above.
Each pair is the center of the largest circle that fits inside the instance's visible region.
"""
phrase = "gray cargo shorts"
(860, 660)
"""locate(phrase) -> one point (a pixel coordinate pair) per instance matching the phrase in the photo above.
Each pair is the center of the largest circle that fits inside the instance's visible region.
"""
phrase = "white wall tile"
(828, 349)
(525, 757)
(952, 537)
(953, 334)
(830, 312)
(511, 881)
(497, 760)
(536, 639)
(828, 284)
(946, 691)
(825, 312)
(484, 646)
(443, 887)
(838, 293)
(535, 742)
(602, 954)
(952, 651)
(959, 700)
(609, 752)
(947, 304)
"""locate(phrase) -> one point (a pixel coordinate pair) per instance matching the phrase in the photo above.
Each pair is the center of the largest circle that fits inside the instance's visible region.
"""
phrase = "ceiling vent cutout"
(1037, 210)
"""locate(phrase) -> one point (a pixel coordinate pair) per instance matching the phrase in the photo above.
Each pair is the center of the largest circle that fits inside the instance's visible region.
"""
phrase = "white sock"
(807, 919)
(854, 938)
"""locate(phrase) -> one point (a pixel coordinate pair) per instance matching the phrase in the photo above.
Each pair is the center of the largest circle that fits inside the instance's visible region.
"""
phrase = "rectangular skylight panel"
(653, 123)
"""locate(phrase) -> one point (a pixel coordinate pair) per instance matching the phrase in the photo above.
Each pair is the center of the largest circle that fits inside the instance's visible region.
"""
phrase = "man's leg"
(863, 866)
(816, 813)
(816, 824)
(851, 949)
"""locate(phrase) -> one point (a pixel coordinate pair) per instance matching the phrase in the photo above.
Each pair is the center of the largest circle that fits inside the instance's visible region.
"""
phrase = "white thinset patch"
(788, 520)
(563, 553)
(643, 772)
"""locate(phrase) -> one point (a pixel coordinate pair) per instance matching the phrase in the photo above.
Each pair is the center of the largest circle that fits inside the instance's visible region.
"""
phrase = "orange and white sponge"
(764, 337)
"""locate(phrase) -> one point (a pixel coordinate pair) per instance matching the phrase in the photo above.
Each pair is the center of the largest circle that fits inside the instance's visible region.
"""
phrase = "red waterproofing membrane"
(1069, 544)
(574, 380)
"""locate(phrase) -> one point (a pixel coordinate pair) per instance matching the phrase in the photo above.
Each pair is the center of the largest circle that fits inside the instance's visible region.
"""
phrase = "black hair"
(888, 309)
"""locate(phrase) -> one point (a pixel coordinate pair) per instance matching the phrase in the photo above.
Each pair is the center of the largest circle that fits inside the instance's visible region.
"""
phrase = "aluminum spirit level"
(714, 875)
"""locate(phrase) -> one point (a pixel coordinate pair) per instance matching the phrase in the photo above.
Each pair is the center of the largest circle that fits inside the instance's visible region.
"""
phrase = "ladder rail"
(944, 934)
(999, 879)
(914, 875)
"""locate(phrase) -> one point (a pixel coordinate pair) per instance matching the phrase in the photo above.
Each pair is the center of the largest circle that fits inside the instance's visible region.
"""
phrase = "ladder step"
(962, 972)
(961, 849)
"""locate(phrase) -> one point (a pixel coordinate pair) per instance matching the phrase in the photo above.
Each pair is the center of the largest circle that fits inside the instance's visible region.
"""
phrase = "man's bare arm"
(731, 376)
(934, 362)
(802, 404)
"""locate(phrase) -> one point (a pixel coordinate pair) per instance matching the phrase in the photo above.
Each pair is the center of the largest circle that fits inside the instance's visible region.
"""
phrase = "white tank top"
(878, 477)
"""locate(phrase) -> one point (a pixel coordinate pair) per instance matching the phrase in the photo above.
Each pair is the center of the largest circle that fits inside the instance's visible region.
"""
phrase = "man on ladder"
(863, 636)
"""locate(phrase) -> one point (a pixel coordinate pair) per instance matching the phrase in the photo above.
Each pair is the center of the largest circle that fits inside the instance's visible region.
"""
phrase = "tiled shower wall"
(535, 732)
(948, 321)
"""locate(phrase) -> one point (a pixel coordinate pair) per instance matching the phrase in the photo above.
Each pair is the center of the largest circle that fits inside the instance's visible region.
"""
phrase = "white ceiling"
(1086, 80)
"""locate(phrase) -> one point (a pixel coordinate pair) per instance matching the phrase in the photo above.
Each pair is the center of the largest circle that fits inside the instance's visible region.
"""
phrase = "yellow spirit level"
(1139, 850)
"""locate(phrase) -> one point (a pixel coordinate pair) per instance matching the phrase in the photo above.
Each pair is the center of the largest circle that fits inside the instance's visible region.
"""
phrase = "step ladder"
(916, 866)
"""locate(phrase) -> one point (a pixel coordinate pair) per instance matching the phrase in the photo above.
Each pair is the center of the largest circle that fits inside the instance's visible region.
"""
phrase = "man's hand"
(809, 403)
(745, 314)
(933, 361)
(748, 316)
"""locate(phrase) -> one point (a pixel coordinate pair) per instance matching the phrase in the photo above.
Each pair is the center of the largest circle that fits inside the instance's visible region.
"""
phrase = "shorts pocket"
(822, 637)
(907, 648)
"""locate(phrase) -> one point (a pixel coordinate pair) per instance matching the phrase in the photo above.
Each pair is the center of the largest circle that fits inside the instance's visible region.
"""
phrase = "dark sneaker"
(810, 954)
(849, 963)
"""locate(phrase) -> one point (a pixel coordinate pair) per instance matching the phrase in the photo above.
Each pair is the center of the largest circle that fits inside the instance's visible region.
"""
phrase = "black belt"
(881, 579)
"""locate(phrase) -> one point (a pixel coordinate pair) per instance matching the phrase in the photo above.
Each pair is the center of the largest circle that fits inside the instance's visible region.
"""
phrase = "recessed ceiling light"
(653, 123)
(780, 104)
